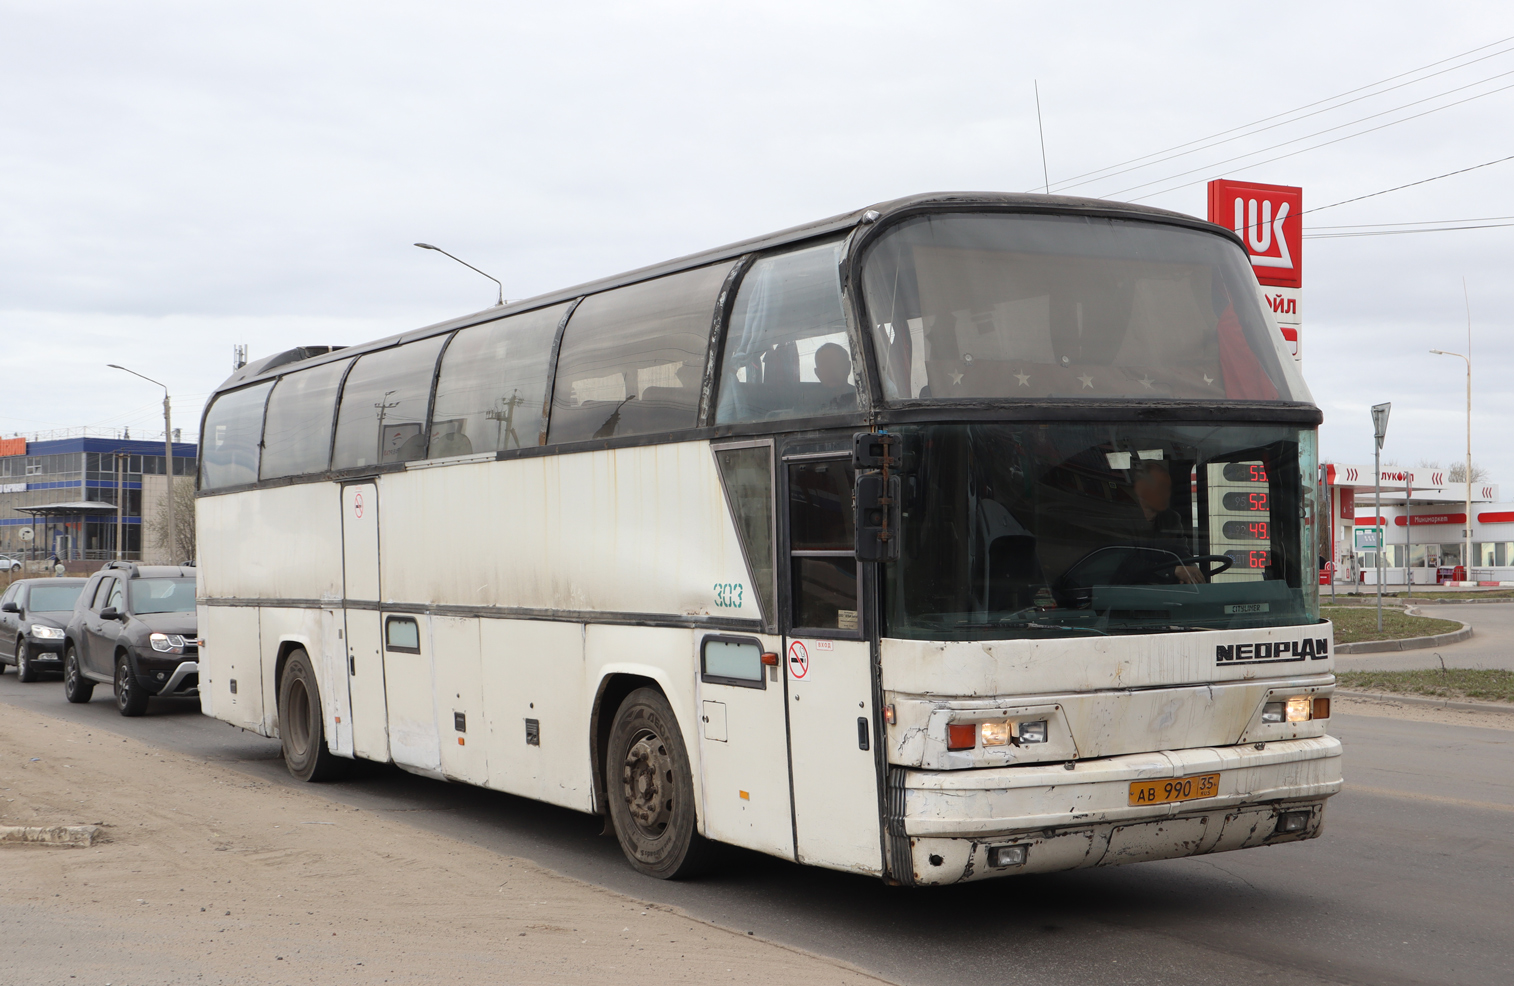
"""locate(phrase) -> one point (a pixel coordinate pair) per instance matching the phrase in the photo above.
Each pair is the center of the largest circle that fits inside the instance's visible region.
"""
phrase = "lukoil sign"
(1269, 220)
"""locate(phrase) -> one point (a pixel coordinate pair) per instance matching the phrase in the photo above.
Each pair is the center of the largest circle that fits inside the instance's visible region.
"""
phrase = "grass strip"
(1358, 623)
(1485, 684)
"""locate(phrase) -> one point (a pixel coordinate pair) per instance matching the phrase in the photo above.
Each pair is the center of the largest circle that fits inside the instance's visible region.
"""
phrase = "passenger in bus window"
(833, 368)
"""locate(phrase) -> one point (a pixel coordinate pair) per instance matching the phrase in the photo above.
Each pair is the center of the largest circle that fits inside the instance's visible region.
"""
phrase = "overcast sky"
(181, 177)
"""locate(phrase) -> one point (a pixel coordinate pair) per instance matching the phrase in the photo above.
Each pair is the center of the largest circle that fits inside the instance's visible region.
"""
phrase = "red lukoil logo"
(1269, 219)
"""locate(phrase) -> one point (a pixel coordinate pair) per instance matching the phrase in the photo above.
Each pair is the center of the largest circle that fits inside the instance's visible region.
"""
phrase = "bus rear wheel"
(302, 732)
(650, 788)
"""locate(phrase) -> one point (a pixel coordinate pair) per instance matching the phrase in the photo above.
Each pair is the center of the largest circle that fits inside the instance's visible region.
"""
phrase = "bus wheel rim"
(647, 783)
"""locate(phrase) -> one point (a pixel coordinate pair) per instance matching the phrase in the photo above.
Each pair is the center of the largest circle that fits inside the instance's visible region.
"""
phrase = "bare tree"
(1457, 473)
(184, 520)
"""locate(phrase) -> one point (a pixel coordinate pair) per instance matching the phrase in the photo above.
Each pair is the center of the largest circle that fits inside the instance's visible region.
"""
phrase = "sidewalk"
(210, 876)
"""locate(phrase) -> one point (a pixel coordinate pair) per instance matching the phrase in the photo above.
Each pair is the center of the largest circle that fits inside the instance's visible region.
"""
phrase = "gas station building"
(1422, 525)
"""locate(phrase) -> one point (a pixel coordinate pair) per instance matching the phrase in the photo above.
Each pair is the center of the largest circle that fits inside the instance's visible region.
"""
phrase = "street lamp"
(1467, 556)
(501, 302)
(1379, 432)
(173, 531)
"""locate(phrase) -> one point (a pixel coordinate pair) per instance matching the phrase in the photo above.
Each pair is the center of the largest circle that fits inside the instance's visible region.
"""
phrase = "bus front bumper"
(948, 826)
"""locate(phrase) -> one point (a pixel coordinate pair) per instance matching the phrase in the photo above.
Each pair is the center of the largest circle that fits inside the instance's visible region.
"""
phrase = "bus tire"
(650, 788)
(76, 688)
(302, 731)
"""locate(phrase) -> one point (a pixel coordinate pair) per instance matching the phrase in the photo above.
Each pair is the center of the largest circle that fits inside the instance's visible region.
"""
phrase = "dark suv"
(133, 626)
(33, 613)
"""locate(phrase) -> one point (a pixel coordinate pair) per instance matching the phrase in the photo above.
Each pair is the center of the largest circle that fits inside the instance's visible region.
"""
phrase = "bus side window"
(229, 445)
(297, 438)
(747, 473)
(632, 359)
(492, 385)
(786, 351)
(822, 546)
(384, 403)
(403, 634)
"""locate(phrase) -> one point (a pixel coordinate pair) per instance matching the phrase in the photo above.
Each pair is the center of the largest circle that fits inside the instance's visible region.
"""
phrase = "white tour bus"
(961, 536)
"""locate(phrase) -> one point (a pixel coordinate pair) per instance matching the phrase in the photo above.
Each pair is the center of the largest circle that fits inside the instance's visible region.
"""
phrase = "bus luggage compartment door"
(741, 738)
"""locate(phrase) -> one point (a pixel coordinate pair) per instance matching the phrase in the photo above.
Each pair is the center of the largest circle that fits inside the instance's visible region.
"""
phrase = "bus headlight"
(1299, 708)
(1033, 732)
(995, 733)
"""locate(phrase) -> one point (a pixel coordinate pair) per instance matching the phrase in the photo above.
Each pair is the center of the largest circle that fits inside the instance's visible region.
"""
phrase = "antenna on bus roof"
(1042, 131)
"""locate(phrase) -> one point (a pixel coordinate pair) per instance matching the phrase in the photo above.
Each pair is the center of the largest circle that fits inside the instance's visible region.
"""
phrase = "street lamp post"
(1379, 432)
(1467, 551)
(173, 531)
(498, 304)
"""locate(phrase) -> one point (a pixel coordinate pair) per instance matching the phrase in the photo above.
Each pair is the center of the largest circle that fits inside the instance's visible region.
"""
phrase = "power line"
(1327, 143)
(1398, 232)
(1340, 126)
(1422, 181)
(1216, 140)
(1424, 222)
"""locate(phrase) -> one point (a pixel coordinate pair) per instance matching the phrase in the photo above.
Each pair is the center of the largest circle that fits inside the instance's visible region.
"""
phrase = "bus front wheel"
(302, 731)
(650, 788)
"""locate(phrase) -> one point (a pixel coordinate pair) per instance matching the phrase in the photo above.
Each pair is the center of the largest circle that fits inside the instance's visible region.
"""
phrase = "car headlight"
(167, 643)
(46, 633)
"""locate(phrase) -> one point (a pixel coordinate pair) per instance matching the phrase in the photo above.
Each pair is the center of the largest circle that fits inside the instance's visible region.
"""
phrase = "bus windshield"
(1031, 307)
(1050, 530)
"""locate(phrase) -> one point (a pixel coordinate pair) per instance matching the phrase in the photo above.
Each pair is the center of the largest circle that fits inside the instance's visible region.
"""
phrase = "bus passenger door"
(745, 777)
(365, 662)
(829, 671)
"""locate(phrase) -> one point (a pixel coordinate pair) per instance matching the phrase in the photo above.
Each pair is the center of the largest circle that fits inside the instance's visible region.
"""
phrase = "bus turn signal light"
(1322, 708)
(769, 660)
(961, 736)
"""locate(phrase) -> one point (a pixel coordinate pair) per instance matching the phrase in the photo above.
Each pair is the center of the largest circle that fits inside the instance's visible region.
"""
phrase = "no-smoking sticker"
(799, 660)
(357, 505)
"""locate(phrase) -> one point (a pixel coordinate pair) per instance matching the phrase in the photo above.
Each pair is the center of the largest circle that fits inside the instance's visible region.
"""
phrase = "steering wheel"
(1166, 568)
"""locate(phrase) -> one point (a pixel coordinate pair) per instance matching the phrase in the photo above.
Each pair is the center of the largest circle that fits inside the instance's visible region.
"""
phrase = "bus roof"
(271, 366)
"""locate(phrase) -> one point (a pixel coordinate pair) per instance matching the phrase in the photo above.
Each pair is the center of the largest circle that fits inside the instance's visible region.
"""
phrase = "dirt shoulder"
(211, 876)
(1386, 706)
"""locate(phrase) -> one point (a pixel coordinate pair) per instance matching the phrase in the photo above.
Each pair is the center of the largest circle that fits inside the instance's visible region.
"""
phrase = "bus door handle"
(862, 739)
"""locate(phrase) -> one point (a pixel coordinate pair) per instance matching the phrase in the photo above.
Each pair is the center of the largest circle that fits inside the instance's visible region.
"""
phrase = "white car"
(10, 563)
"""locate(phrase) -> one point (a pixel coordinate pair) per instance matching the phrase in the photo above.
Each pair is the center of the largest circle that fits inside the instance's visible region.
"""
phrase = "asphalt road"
(1490, 646)
(1412, 882)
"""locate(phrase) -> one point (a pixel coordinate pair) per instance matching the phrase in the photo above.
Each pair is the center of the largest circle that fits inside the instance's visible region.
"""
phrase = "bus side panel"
(633, 530)
(664, 654)
(278, 543)
(459, 698)
(231, 680)
(281, 628)
(533, 672)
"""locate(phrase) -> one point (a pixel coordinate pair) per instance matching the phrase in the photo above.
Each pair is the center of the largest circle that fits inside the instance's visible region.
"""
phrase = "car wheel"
(302, 730)
(76, 688)
(24, 669)
(131, 697)
(650, 788)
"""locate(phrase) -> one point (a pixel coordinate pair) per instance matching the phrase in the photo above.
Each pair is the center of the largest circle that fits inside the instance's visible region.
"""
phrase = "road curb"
(1406, 643)
(1439, 703)
(50, 835)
